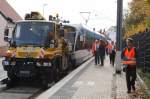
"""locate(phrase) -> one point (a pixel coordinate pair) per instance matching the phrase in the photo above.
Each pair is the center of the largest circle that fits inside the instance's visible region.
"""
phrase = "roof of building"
(6, 18)
(8, 12)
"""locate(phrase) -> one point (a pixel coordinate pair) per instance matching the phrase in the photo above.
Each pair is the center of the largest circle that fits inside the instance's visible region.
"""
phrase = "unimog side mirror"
(6, 33)
(61, 30)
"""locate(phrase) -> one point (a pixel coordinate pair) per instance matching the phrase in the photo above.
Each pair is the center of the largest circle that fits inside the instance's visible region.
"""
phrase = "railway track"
(20, 92)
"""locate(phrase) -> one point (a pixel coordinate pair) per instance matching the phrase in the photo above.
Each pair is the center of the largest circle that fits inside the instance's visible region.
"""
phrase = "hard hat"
(130, 40)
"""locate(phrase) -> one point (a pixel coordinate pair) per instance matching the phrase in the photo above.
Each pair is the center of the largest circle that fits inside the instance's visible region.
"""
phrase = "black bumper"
(26, 67)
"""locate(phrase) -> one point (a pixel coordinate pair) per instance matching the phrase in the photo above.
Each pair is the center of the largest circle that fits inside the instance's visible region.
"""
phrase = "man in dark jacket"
(102, 52)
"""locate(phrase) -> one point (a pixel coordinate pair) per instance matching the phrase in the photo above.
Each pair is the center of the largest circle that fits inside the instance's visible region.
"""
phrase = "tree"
(137, 18)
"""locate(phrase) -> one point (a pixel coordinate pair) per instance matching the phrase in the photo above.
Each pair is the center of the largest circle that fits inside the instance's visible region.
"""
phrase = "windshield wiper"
(30, 44)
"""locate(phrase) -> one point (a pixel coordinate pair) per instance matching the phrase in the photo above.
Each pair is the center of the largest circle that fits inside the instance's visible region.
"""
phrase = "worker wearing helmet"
(129, 56)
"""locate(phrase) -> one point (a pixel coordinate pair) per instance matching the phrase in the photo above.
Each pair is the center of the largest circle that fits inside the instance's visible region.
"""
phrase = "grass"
(146, 78)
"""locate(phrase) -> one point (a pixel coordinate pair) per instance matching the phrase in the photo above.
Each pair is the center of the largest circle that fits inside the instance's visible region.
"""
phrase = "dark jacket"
(102, 50)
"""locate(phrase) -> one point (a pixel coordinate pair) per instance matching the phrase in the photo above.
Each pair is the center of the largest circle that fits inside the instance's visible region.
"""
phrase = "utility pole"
(94, 34)
(119, 36)
(44, 8)
(86, 19)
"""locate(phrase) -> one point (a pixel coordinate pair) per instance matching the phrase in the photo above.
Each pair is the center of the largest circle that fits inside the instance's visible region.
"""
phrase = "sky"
(102, 12)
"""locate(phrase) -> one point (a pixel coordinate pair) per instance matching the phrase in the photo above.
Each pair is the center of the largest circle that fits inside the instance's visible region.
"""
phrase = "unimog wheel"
(12, 80)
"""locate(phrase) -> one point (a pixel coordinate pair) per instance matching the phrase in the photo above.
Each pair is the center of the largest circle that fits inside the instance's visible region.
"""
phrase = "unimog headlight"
(5, 63)
(38, 64)
(47, 64)
(44, 64)
(13, 63)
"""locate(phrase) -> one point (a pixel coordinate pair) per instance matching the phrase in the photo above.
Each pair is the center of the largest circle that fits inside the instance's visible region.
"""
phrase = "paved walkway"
(94, 82)
(121, 90)
(2, 72)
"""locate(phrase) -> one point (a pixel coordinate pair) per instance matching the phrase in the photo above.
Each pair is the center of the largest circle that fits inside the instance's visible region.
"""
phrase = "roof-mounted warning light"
(34, 16)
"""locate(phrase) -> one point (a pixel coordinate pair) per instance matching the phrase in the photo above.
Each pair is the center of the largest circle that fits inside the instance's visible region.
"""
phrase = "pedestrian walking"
(95, 51)
(106, 48)
(112, 53)
(129, 56)
(109, 50)
(102, 51)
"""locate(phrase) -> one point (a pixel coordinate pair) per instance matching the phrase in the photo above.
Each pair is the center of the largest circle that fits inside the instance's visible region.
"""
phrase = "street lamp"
(44, 7)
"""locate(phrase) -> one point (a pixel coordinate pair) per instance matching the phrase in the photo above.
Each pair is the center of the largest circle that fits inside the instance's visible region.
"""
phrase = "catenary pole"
(119, 36)
(119, 24)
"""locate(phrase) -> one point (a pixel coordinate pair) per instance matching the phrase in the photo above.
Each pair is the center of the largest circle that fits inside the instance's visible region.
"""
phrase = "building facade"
(8, 17)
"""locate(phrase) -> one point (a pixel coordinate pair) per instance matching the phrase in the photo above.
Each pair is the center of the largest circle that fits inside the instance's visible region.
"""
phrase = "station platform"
(90, 81)
(3, 74)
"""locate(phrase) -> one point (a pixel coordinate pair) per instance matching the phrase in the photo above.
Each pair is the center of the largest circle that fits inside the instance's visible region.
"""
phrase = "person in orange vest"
(112, 52)
(106, 48)
(95, 51)
(129, 56)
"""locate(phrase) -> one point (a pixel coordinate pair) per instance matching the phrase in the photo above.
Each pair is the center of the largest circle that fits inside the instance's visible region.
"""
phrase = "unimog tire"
(12, 80)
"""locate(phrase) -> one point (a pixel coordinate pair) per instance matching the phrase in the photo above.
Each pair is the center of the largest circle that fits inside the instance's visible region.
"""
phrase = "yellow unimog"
(37, 51)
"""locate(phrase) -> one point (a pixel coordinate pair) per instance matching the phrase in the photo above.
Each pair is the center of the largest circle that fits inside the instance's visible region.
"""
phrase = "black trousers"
(130, 78)
(96, 58)
(112, 59)
(102, 59)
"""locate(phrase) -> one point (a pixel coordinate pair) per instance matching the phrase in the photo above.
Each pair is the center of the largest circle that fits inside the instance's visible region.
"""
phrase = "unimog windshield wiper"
(30, 44)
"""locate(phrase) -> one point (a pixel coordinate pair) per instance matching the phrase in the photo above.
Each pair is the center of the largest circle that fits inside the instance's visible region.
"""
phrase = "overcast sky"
(103, 12)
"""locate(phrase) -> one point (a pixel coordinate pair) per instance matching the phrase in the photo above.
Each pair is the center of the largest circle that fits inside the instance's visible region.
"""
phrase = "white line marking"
(78, 83)
(90, 83)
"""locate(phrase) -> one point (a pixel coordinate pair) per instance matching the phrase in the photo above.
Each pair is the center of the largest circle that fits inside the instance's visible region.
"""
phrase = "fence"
(142, 42)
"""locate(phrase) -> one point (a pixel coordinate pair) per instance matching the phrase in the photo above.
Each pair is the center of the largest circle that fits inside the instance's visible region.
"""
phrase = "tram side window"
(85, 41)
(78, 43)
(82, 42)
(70, 37)
(89, 41)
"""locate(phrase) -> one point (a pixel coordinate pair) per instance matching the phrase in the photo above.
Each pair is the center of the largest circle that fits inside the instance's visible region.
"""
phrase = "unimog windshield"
(33, 33)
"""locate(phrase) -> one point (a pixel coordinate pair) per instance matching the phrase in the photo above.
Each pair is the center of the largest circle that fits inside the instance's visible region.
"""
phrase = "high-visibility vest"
(130, 62)
(109, 48)
(94, 47)
(130, 55)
